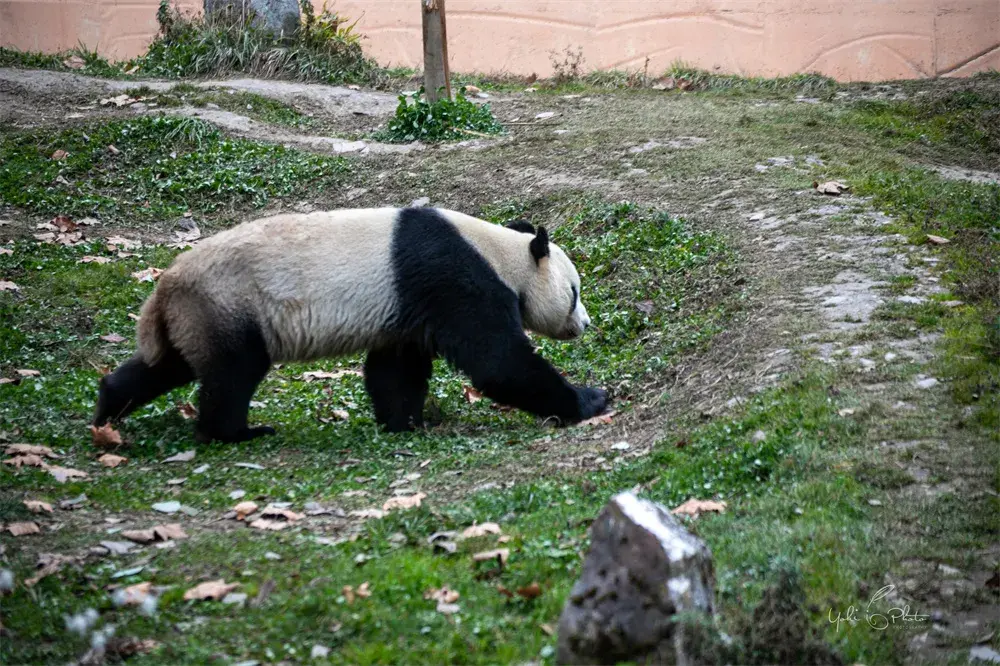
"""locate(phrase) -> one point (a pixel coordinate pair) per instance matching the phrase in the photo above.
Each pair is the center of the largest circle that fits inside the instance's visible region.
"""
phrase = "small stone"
(235, 598)
(913, 300)
(759, 436)
(640, 558)
(319, 652)
(984, 653)
(237, 494)
(420, 203)
(212, 105)
(875, 502)
(927, 382)
(272, 556)
(620, 446)
(890, 357)
(201, 469)
(167, 507)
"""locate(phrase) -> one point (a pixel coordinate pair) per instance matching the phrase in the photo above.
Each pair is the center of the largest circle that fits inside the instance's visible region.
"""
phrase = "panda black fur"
(406, 285)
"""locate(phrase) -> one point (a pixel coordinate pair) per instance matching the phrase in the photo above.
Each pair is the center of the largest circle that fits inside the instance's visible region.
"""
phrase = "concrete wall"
(847, 39)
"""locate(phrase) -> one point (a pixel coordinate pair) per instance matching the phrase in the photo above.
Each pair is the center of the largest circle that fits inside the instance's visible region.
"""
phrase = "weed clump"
(417, 119)
(324, 48)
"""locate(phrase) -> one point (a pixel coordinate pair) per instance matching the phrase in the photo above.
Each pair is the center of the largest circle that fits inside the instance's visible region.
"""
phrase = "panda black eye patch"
(572, 304)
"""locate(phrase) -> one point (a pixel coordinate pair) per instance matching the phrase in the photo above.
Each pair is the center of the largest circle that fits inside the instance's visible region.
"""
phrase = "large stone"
(280, 17)
(643, 568)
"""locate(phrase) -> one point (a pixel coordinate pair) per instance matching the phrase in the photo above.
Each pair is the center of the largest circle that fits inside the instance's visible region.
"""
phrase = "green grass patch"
(83, 61)
(325, 48)
(966, 214)
(164, 166)
(446, 119)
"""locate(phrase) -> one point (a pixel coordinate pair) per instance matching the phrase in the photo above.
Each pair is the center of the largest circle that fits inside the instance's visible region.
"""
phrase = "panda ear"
(539, 245)
(523, 226)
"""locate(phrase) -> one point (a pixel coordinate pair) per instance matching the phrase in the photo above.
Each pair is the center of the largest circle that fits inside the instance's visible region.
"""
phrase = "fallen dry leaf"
(113, 149)
(34, 449)
(91, 259)
(244, 509)
(480, 530)
(845, 412)
(183, 456)
(187, 411)
(937, 240)
(111, 460)
(547, 629)
(8, 380)
(134, 595)
(106, 437)
(403, 502)
(600, 419)
(62, 474)
(645, 307)
(530, 591)
(368, 513)
(30, 459)
(60, 155)
(322, 374)
(22, 529)
(833, 188)
(75, 62)
(7, 285)
(6, 250)
(62, 223)
(112, 337)
(363, 592)
(133, 316)
(504, 591)
(37, 506)
(693, 507)
(151, 274)
(500, 554)
(48, 564)
(277, 513)
(118, 100)
(443, 595)
(115, 243)
(472, 396)
(28, 373)
(213, 589)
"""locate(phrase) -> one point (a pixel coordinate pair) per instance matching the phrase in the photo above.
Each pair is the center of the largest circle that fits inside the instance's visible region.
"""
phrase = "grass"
(326, 48)
(247, 104)
(164, 167)
(820, 513)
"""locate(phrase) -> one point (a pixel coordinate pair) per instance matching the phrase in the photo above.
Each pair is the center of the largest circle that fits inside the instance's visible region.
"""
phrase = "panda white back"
(319, 284)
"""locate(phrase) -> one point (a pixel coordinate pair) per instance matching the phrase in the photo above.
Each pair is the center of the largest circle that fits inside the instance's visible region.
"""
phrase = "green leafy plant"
(417, 119)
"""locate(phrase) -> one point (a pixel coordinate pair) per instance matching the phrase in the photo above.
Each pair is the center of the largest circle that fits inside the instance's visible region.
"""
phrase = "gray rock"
(643, 567)
(277, 16)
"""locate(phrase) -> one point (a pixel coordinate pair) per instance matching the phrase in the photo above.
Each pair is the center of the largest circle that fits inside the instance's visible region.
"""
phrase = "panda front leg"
(396, 380)
(506, 369)
(229, 377)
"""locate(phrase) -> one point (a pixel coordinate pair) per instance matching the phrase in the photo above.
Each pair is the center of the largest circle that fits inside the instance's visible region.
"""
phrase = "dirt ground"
(816, 270)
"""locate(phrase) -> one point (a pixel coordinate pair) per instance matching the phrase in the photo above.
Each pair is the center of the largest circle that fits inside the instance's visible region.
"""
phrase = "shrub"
(417, 119)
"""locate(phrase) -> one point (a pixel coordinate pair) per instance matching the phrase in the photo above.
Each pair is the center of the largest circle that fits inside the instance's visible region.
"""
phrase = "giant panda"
(405, 285)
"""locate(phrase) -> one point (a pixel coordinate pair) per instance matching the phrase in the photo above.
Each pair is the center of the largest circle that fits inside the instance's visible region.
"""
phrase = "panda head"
(550, 303)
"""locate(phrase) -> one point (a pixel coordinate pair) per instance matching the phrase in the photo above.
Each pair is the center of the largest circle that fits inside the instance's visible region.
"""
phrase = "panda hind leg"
(396, 380)
(136, 383)
(229, 378)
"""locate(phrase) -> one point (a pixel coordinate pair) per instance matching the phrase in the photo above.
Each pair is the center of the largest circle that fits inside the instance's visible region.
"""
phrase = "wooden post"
(436, 73)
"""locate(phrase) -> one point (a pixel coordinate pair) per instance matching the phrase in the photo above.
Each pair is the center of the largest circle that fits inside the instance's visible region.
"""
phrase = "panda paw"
(593, 401)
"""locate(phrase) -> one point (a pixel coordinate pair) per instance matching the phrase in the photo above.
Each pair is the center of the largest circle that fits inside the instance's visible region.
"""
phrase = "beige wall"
(847, 39)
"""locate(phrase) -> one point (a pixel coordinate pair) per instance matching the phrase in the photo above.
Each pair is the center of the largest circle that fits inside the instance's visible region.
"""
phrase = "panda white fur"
(406, 285)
